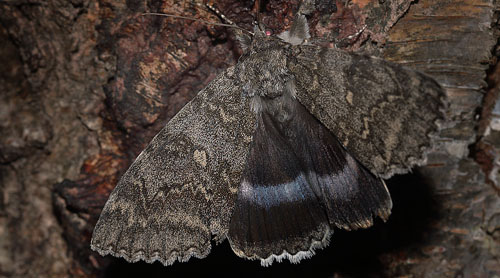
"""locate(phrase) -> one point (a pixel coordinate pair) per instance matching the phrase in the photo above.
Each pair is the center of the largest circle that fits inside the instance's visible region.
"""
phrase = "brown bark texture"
(85, 85)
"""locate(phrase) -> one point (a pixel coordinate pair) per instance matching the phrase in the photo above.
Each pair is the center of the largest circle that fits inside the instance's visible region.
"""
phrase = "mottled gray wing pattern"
(381, 112)
(181, 189)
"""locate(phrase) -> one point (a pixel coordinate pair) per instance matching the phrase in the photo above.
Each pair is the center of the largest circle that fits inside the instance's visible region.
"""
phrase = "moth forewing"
(181, 189)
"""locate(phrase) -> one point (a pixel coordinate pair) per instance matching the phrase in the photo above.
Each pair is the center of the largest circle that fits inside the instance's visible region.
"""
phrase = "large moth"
(273, 155)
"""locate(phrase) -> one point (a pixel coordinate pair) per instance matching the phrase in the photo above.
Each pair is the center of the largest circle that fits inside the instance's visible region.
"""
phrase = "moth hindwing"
(273, 154)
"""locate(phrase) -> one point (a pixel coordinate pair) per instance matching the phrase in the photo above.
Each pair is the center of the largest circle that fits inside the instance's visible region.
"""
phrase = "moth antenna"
(256, 8)
(259, 16)
(355, 35)
(200, 20)
(211, 7)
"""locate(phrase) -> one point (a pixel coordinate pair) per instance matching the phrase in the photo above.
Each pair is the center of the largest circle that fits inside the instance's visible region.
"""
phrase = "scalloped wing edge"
(151, 259)
(433, 136)
(316, 244)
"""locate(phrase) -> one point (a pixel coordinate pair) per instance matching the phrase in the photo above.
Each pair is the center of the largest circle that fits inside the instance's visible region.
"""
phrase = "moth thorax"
(264, 74)
(281, 107)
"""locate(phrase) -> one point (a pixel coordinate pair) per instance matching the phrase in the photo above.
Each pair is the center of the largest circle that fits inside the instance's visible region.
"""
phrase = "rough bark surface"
(85, 85)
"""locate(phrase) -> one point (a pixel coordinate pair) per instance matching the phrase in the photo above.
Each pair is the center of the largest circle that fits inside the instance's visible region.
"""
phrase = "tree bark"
(85, 86)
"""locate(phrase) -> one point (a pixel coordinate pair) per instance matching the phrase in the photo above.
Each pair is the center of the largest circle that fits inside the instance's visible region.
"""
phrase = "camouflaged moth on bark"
(276, 152)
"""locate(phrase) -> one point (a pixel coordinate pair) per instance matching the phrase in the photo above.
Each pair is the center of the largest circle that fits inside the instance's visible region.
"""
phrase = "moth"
(275, 153)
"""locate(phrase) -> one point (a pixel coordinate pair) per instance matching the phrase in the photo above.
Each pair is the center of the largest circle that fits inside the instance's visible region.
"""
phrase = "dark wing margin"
(300, 183)
(383, 113)
(181, 189)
